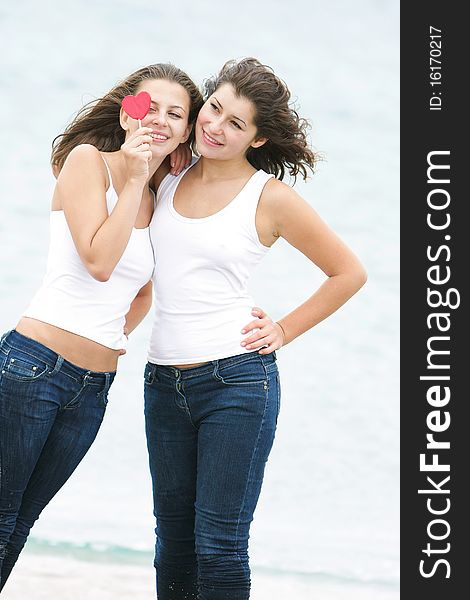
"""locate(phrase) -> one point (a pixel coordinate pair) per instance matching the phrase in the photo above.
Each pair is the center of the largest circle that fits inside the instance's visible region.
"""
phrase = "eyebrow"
(173, 106)
(237, 118)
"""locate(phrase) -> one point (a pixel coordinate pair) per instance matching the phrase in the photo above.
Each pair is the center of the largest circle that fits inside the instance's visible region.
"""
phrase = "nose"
(159, 118)
(215, 127)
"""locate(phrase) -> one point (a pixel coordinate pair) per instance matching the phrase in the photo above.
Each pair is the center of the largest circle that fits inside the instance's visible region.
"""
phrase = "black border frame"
(423, 131)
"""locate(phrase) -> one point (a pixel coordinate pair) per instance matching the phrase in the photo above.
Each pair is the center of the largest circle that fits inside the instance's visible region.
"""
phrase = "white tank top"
(201, 273)
(70, 298)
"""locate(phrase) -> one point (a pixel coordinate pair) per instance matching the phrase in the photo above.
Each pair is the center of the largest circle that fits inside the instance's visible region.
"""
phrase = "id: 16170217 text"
(435, 66)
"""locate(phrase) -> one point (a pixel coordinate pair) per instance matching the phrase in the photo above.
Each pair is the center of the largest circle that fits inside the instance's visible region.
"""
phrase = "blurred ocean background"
(329, 509)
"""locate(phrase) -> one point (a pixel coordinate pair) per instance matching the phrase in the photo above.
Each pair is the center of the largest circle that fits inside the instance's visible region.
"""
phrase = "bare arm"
(100, 238)
(139, 308)
(283, 213)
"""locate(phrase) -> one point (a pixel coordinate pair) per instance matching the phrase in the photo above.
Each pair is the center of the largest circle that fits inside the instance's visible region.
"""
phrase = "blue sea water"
(329, 506)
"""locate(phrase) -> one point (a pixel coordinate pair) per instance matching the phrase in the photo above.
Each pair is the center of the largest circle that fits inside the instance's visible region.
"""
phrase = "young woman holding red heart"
(212, 398)
(56, 367)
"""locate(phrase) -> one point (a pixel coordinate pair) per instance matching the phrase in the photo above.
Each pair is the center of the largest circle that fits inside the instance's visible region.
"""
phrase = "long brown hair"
(275, 119)
(97, 122)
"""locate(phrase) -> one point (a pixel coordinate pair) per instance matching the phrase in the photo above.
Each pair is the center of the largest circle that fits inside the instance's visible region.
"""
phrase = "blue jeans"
(50, 413)
(209, 433)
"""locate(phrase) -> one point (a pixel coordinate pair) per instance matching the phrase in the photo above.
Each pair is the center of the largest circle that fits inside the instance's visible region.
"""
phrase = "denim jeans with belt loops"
(50, 413)
(209, 433)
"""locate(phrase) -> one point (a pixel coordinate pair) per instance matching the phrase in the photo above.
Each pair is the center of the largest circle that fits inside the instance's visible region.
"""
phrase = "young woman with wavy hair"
(212, 396)
(56, 367)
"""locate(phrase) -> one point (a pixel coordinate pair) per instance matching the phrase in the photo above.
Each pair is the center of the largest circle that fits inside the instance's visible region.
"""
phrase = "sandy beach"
(45, 577)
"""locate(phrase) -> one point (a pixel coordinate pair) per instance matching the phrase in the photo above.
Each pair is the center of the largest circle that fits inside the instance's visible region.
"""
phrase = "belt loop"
(215, 372)
(107, 383)
(5, 335)
(58, 365)
(151, 371)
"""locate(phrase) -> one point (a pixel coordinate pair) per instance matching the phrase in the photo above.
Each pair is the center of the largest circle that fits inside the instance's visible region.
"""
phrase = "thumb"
(258, 312)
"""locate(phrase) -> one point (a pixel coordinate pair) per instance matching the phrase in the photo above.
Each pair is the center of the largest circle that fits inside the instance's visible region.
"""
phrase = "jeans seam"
(61, 372)
(67, 406)
(186, 408)
(250, 470)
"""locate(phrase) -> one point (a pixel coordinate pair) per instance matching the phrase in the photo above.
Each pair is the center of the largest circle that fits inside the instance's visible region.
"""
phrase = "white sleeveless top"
(70, 298)
(201, 274)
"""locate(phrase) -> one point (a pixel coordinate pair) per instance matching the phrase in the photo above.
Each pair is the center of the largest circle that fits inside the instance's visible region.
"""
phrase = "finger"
(253, 325)
(259, 342)
(269, 349)
(179, 162)
(187, 158)
(254, 338)
(137, 141)
(259, 312)
(141, 131)
(140, 152)
(259, 333)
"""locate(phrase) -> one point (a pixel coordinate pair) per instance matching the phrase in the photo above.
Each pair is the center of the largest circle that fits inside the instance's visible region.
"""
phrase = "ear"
(124, 120)
(258, 142)
(187, 133)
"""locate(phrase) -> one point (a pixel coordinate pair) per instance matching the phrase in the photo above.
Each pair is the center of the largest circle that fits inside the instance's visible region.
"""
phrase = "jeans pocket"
(22, 366)
(248, 372)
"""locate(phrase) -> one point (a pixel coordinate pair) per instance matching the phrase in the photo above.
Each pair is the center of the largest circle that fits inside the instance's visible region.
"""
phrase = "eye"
(151, 110)
(214, 106)
(175, 115)
(235, 124)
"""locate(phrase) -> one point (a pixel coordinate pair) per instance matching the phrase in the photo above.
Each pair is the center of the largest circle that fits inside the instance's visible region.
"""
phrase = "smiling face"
(225, 127)
(168, 115)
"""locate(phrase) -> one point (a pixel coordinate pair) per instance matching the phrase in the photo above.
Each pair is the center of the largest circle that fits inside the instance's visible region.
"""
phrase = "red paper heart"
(137, 106)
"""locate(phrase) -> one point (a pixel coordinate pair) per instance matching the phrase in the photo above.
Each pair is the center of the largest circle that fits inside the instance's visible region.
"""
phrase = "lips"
(158, 137)
(210, 140)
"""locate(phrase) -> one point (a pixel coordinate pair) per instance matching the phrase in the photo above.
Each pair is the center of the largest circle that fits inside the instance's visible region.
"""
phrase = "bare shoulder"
(278, 199)
(82, 181)
(280, 208)
(84, 152)
(83, 161)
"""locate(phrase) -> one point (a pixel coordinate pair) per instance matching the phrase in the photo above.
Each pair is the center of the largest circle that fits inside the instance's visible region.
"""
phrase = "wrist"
(136, 181)
(284, 337)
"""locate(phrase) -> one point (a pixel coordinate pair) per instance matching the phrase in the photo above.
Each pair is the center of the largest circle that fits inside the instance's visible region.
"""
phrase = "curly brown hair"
(97, 123)
(275, 119)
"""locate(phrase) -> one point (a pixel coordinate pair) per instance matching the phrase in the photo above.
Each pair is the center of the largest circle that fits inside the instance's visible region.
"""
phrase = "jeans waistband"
(56, 362)
(209, 367)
